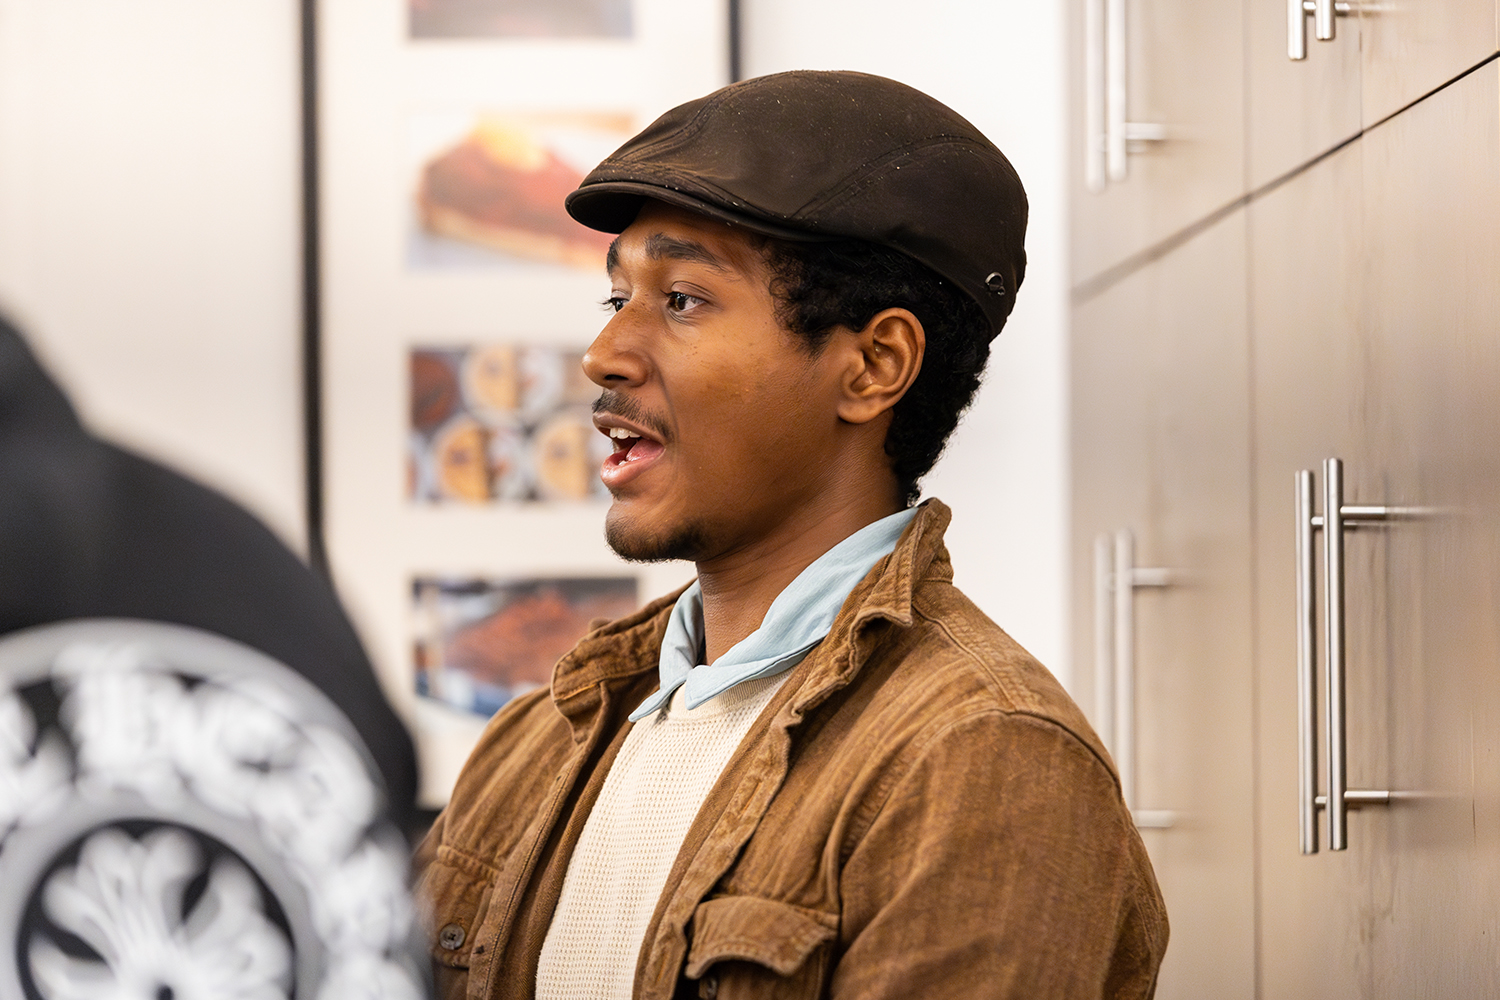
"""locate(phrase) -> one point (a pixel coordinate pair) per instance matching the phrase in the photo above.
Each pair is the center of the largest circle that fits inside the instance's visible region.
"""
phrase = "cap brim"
(611, 206)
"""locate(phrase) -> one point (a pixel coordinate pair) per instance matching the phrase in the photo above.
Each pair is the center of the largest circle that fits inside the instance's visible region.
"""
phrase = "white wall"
(1001, 65)
(149, 227)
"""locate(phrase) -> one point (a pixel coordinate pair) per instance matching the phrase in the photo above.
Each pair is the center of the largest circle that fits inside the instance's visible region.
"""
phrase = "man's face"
(724, 423)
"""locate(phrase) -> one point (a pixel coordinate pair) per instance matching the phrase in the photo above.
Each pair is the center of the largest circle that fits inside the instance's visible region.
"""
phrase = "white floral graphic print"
(125, 899)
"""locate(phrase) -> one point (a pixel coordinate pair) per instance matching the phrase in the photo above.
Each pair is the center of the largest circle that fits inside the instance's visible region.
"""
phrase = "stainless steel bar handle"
(1307, 656)
(1106, 72)
(1104, 641)
(1323, 13)
(1333, 651)
(1116, 89)
(1323, 27)
(1337, 518)
(1296, 31)
(1095, 175)
(1124, 660)
(1126, 578)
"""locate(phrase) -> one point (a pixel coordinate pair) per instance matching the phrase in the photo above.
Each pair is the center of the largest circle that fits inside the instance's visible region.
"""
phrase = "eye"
(682, 302)
(614, 303)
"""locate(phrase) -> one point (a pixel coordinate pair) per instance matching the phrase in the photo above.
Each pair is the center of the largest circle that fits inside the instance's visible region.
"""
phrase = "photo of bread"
(496, 183)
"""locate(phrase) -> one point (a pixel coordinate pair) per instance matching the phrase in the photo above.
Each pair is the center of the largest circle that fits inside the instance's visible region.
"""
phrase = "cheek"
(803, 394)
(763, 406)
(774, 419)
(765, 395)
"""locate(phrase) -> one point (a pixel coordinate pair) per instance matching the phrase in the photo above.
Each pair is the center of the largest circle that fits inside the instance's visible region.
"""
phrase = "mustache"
(620, 405)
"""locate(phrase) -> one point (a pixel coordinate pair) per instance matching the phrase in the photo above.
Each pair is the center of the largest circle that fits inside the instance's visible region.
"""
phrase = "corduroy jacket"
(921, 811)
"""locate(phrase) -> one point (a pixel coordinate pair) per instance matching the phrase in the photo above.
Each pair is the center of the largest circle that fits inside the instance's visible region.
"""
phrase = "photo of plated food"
(479, 642)
(502, 422)
(489, 187)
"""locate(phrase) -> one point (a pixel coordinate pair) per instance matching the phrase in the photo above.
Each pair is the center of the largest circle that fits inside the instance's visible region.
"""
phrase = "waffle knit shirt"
(670, 760)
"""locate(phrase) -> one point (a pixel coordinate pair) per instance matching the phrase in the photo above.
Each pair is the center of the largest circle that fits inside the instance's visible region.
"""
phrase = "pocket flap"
(456, 888)
(773, 934)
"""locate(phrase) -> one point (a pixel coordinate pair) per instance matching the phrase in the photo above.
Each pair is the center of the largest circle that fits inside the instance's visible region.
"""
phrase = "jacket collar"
(885, 595)
(631, 646)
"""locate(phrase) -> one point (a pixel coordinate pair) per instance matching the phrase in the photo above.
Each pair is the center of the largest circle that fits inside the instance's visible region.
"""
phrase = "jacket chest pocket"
(457, 889)
(747, 946)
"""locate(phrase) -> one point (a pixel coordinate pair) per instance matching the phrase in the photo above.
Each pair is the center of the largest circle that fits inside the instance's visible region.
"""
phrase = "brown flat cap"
(812, 155)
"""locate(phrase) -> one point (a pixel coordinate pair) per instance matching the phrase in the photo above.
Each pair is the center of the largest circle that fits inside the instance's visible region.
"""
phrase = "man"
(819, 770)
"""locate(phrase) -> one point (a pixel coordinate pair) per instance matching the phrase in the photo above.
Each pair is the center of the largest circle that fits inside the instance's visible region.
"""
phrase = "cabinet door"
(1374, 293)
(1160, 429)
(1297, 110)
(1432, 287)
(1410, 49)
(1383, 57)
(1311, 391)
(1186, 73)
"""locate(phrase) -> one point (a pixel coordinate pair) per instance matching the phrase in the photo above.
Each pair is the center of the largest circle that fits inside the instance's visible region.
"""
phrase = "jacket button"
(451, 937)
(709, 988)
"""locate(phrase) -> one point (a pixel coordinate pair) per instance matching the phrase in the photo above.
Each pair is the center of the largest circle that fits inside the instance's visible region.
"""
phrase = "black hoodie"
(89, 530)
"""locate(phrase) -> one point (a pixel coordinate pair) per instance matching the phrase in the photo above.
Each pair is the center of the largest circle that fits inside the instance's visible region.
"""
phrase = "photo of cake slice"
(502, 188)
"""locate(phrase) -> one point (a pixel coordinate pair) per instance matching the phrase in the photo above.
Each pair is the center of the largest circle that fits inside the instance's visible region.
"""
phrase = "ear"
(884, 358)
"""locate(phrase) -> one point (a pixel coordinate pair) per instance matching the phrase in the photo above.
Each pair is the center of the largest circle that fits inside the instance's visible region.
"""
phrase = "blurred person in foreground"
(203, 791)
(818, 770)
(91, 530)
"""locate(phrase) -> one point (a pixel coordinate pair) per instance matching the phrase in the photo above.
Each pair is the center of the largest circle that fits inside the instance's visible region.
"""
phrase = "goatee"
(686, 542)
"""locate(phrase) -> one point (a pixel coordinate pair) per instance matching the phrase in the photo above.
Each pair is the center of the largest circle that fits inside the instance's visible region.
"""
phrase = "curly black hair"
(822, 285)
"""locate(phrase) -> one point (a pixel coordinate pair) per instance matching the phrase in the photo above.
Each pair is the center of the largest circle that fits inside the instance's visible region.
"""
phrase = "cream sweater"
(630, 841)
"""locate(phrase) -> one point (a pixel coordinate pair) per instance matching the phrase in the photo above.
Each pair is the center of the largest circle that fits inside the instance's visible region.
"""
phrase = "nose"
(615, 360)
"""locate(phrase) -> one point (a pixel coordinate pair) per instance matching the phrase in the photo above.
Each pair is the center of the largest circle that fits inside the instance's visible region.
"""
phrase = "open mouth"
(630, 446)
(632, 452)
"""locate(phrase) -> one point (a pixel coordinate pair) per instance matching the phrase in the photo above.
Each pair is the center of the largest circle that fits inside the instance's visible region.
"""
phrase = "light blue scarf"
(797, 621)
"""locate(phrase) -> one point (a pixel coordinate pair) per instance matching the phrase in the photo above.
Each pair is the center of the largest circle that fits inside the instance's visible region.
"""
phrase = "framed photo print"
(461, 509)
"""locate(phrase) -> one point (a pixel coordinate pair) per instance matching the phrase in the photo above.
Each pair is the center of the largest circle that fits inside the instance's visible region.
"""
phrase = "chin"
(639, 543)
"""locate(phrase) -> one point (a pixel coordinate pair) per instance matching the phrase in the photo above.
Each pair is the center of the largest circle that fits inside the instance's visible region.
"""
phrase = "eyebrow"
(659, 246)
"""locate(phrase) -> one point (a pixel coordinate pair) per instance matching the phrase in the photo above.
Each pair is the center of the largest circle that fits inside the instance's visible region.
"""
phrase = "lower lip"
(617, 471)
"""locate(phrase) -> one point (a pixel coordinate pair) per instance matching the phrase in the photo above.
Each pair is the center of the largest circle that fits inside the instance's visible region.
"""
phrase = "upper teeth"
(621, 432)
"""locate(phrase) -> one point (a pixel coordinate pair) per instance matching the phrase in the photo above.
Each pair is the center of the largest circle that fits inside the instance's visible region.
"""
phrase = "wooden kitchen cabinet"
(1185, 61)
(1360, 271)
(1410, 49)
(1431, 283)
(1312, 391)
(1383, 57)
(1161, 431)
(1296, 110)
(1375, 287)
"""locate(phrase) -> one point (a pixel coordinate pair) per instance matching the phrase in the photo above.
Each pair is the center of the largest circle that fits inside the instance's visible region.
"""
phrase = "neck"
(739, 587)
